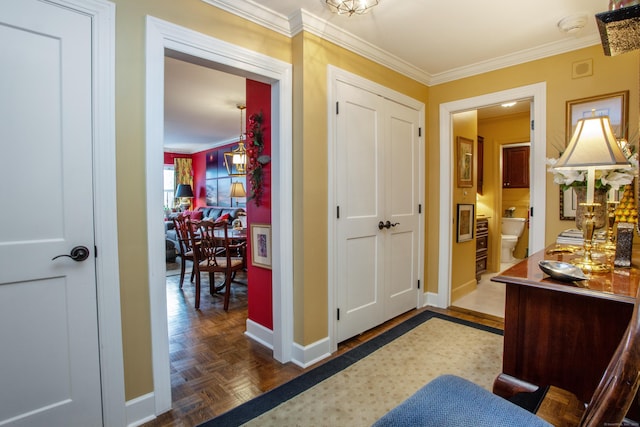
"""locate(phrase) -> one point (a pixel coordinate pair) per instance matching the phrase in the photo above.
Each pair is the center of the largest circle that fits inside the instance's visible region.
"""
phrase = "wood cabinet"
(515, 167)
(557, 333)
(482, 241)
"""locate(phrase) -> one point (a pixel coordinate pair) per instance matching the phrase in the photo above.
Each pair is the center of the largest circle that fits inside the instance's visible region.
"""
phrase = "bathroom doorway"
(504, 171)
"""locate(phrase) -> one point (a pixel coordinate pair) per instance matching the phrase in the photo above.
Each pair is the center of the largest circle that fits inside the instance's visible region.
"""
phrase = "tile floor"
(487, 298)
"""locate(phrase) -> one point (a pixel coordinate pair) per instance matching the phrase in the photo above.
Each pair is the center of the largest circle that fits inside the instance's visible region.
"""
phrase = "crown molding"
(194, 147)
(521, 57)
(255, 13)
(303, 20)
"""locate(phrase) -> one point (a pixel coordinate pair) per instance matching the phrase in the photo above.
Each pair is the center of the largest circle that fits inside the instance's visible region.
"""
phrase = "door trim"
(538, 93)
(334, 75)
(105, 205)
(161, 35)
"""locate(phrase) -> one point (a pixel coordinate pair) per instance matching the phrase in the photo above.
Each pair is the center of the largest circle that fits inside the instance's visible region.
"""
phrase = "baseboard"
(432, 299)
(305, 356)
(259, 333)
(463, 289)
(140, 410)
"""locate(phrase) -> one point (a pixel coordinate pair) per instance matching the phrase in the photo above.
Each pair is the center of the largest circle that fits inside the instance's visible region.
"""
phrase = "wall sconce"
(592, 146)
(184, 193)
(236, 160)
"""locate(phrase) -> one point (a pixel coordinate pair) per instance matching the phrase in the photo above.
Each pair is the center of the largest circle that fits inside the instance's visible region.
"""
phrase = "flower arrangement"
(605, 179)
(255, 159)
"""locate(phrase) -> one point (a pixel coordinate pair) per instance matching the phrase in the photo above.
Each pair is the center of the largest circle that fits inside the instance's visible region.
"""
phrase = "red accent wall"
(260, 281)
(199, 163)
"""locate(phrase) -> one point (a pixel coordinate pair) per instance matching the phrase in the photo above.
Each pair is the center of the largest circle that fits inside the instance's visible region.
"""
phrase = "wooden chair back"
(183, 231)
(214, 244)
(619, 384)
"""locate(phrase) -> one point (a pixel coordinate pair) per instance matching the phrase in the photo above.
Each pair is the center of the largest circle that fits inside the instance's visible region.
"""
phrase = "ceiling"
(430, 41)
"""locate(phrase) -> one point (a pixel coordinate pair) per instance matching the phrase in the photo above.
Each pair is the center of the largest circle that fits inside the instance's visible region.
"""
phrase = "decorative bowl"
(562, 270)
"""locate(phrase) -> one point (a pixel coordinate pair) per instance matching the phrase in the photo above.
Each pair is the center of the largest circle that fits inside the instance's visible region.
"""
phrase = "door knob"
(387, 225)
(79, 253)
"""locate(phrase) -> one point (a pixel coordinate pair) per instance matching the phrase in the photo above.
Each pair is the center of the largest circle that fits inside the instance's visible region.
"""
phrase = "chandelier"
(351, 7)
(236, 160)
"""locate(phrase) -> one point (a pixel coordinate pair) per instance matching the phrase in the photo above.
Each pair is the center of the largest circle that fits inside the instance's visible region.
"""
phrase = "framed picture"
(464, 160)
(568, 204)
(261, 245)
(465, 223)
(615, 105)
(212, 192)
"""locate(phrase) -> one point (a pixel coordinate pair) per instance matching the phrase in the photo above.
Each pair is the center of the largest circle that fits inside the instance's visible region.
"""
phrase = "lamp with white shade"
(592, 146)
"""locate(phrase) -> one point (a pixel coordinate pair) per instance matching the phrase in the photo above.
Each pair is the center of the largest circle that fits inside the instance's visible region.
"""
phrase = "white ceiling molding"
(192, 148)
(256, 13)
(521, 57)
(305, 21)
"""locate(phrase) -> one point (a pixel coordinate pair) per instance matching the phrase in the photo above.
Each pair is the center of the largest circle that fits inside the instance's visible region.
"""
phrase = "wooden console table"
(557, 333)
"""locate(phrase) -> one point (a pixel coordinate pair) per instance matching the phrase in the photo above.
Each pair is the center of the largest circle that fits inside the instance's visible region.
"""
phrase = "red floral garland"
(256, 160)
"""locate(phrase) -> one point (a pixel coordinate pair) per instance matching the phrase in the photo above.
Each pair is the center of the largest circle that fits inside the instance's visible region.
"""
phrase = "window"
(169, 186)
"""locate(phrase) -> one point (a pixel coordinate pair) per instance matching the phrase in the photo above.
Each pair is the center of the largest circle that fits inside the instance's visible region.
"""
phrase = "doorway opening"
(535, 92)
(162, 35)
(502, 190)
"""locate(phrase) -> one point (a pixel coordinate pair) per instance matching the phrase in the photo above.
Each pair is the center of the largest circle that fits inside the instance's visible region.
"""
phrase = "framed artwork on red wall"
(261, 245)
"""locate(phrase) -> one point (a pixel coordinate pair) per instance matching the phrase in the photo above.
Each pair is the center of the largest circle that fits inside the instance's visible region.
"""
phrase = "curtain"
(183, 175)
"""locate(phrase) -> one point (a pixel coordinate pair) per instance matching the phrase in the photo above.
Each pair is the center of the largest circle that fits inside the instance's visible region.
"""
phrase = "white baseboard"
(140, 410)
(308, 355)
(259, 333)
(433, 299)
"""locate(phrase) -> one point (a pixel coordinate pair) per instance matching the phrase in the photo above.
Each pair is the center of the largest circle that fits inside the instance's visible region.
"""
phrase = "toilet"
(512, 229)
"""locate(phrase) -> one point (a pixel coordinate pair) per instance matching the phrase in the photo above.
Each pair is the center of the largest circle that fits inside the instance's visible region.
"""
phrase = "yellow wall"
(610, 74)
(463, 254)
(497, 132)
(309, 56)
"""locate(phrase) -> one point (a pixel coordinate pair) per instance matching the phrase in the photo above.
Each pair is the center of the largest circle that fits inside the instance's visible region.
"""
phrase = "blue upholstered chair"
(450, 401)
(453, 401)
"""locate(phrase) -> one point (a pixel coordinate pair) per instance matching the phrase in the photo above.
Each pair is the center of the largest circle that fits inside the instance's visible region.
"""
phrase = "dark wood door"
(515, 167)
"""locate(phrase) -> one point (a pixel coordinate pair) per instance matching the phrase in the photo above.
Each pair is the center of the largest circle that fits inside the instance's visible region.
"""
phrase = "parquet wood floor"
(215, 368)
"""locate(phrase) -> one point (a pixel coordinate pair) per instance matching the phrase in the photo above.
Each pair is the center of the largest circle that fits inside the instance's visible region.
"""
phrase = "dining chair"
(184, 241)
(216, 252)
(449, 400)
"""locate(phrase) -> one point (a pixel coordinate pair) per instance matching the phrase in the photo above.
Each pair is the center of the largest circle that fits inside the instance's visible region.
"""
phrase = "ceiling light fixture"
(508, 104)
(351, 7)
(236, 160)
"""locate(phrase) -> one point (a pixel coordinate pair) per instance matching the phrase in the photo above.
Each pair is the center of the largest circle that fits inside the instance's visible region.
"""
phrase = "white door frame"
(105, 205)
(538, 93)
(335, 74)
(161, 35)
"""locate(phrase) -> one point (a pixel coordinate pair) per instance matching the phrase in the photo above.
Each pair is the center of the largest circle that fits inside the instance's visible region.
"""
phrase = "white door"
(49, 362)
(401, 207)
(377, 170)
